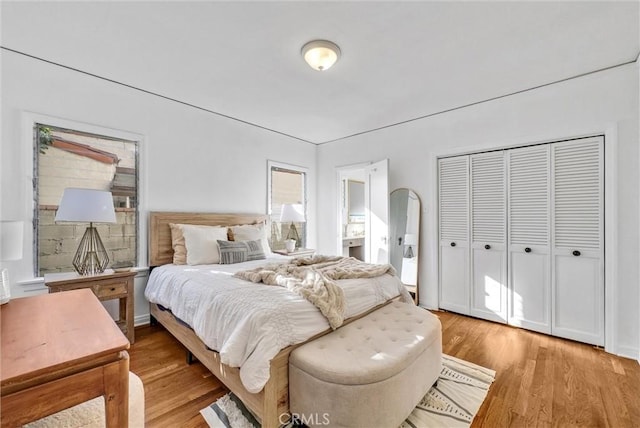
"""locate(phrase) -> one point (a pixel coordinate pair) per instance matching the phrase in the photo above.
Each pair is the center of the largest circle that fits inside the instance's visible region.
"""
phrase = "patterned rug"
(452, 402)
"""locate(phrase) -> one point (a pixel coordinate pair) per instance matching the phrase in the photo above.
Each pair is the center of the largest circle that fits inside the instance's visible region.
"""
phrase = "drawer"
(110, 291)
(356, 242)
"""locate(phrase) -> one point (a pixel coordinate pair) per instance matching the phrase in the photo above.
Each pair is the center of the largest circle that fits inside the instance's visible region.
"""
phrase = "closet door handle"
(527, 250)
(576, 253)
(487, 247)
(453, 244)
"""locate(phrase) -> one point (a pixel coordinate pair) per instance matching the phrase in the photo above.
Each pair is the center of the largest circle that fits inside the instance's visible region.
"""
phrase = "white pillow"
(202, 243)
(253, 232)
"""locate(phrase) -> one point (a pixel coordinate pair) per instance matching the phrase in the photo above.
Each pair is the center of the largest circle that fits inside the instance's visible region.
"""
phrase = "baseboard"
(629, 352)
(429, 307)
(141, 319)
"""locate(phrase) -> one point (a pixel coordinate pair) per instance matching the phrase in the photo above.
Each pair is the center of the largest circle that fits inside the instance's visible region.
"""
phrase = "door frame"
(372, 202)
(610, 133)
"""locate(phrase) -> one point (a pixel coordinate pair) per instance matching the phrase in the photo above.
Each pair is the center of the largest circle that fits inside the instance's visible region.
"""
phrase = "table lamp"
(293, 213)
(88, 206)
(409, 240)
(10, 249)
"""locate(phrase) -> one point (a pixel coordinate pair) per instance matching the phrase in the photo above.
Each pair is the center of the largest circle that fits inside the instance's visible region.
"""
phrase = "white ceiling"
(400, 60)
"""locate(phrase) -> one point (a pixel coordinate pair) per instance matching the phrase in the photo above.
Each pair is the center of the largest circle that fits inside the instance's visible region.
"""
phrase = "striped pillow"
(240, 251)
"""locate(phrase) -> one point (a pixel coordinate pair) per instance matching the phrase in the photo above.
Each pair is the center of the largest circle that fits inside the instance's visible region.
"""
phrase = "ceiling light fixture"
(321, 54)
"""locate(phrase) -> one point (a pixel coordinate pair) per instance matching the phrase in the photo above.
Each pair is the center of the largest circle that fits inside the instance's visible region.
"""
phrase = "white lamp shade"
(410, 239)
(292, 213)
(86, 206)
(11, 240)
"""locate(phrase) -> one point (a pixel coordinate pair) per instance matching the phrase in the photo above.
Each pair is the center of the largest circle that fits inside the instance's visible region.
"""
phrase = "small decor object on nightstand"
(290, 245)
(88, 206)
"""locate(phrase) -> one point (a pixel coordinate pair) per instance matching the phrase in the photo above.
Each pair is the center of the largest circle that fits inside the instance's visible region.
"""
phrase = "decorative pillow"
(201, 243)
(177, 243)
(252, 232)
(240, 251)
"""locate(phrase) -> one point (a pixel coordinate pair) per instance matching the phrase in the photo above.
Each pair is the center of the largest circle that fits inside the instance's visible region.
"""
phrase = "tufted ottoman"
(369, 373)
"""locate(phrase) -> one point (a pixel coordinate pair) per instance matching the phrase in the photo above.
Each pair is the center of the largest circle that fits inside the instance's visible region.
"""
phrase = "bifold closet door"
(529, 224)
(453, 174)
(488, 237)
(578, 259)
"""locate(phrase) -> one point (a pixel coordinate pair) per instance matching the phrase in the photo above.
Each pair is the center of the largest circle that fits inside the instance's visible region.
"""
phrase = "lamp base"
(293, 233)
(409, 253)
(5, 288)
(91, 257)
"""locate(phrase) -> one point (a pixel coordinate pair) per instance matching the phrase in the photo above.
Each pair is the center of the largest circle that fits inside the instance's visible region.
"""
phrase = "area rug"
(90, 414)
(452, 402)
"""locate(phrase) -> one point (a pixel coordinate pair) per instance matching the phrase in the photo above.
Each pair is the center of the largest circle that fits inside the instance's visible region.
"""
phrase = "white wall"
(599, 102)
(191, 160)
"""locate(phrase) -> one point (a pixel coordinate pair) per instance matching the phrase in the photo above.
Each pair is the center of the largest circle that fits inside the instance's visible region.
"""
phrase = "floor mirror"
(404, 229)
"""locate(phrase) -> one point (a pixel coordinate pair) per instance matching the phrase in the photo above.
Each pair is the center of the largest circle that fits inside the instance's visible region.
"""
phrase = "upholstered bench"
(369, 373)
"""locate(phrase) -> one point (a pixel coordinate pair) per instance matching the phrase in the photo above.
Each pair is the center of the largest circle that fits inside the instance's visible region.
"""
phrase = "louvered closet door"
(578, 269)
(454, 230)
(529, 240)
(488, 237)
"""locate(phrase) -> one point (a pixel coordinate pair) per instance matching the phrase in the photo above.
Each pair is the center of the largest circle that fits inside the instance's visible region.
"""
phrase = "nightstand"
(298, 252)
(106, 286)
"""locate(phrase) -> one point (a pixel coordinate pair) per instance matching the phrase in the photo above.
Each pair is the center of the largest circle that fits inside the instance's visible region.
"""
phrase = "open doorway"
(352, 213)
(363, 212)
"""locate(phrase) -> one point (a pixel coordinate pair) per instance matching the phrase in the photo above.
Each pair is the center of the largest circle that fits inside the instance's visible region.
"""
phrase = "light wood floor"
(540, 381)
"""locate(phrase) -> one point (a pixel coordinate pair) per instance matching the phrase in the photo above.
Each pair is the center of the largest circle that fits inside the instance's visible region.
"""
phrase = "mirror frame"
(412, 288)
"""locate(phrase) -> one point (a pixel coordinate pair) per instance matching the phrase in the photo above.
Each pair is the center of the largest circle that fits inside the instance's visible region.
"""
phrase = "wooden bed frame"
(271, 405)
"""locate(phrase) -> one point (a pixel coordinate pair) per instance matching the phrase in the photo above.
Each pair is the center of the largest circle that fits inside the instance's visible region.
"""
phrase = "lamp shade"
(86, 206)
(292, 213)
(11, 240)
(410, 239)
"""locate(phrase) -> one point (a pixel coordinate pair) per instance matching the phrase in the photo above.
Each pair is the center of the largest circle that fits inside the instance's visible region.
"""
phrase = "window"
(287, 185)
(67, 158)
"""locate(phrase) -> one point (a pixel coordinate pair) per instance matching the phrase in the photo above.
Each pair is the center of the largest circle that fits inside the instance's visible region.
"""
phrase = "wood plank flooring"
(174, 391)
(540, 381)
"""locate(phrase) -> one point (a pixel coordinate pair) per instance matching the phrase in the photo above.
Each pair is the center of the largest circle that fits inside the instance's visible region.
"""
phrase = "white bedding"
(248, 323)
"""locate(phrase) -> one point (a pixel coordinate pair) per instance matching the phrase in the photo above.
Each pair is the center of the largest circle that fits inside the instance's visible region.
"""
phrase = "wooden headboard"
(160, 249)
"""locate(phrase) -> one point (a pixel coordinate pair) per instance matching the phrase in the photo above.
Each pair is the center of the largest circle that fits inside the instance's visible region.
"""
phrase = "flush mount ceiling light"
(321, 54)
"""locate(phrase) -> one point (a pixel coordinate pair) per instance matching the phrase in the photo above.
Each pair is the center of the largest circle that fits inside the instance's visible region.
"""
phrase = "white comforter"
(247, 323)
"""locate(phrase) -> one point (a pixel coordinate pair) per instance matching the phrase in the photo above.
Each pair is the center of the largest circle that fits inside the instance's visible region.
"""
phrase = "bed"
(169, 289)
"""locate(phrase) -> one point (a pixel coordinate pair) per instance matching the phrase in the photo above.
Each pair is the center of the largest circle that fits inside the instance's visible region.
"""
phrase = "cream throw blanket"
(314, 279)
